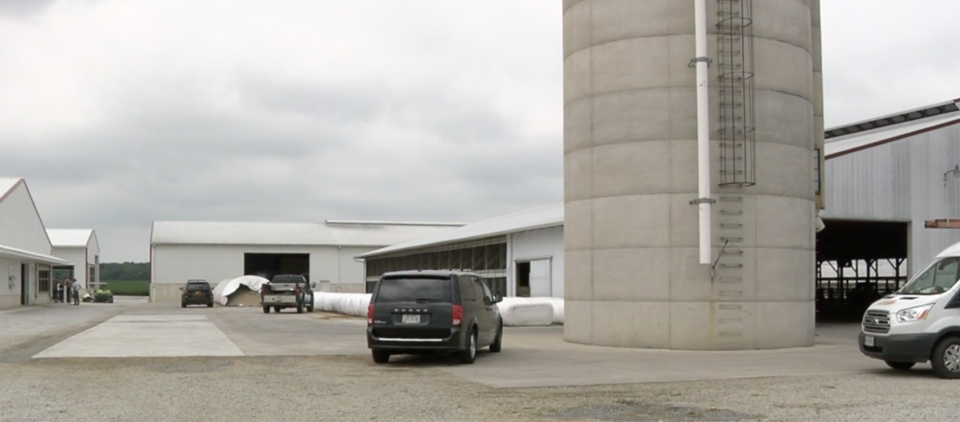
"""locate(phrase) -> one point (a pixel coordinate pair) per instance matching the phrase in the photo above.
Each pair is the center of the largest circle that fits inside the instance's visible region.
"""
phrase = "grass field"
(127, 287)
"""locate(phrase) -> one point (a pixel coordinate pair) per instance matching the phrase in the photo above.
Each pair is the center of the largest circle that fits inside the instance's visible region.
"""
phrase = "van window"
(467, 294)
(414, 289)
(939, 277)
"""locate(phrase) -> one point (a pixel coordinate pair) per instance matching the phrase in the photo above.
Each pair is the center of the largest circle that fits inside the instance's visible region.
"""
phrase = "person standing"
(76, 292)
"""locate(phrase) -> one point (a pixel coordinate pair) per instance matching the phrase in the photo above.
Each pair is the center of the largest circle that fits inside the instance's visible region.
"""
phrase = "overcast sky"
(121, 112)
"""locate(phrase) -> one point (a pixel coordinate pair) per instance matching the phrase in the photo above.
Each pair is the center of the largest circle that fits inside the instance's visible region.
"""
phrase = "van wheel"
(470, 354)
(900, 366)
(946, 358)
(381, 356)
(266, 309)
(498, 342)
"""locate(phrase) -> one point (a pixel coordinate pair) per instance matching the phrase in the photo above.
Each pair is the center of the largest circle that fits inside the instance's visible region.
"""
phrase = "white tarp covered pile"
(221, 293)
(342, 303)
(525, 312)
(516, 311)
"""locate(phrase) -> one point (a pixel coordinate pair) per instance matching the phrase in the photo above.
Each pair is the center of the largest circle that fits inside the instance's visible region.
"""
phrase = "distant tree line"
(125, 271)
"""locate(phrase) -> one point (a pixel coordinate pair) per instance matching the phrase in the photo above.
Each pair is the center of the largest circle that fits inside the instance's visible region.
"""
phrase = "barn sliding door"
(541, 284)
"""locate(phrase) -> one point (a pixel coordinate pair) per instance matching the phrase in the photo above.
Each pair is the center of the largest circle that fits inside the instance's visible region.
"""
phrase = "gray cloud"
(123, 112)
(24, 8)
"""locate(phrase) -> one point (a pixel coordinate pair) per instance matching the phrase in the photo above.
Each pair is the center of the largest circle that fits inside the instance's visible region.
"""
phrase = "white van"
(919, 322)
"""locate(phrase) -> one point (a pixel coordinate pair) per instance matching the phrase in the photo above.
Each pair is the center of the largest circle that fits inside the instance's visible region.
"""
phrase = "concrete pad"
(538, 357)
(147, 336)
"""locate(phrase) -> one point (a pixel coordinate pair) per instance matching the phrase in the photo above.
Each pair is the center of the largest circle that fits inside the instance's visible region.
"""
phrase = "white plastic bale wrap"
(525, 312)
(221, 293)
(342, 303)
(557, 303)
(516, 311)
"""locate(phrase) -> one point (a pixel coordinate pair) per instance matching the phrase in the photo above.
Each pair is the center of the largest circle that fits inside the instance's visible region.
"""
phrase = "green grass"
(127, 287)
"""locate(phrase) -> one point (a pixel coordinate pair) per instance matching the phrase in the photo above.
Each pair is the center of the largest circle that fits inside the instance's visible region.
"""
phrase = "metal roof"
(945, 107)
(540, 217)
(7, 184)
(851, 138)
(69, 238)
(272, 233)
(25, 255)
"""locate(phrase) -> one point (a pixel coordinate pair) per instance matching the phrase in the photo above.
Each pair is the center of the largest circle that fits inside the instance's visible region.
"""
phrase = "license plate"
(197, 293)
(411, 319)
(868, 341)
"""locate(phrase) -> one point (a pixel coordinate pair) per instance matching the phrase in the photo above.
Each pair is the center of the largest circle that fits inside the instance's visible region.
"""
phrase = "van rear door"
(413, 307)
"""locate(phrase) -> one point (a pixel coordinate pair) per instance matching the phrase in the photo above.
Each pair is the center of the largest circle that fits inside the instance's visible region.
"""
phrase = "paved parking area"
(530, 358)
(308, 367)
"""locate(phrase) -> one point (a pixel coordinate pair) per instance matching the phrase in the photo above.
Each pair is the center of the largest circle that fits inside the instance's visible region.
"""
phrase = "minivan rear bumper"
(452, 343)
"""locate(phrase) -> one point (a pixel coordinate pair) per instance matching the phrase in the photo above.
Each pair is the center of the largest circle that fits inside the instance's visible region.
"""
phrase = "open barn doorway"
(858, 262)
(267, 265)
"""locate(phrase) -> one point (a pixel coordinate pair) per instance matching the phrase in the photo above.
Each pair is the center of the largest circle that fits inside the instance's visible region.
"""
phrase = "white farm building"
(81, 247)
(218, 251)
(519, 254)
(26, 254)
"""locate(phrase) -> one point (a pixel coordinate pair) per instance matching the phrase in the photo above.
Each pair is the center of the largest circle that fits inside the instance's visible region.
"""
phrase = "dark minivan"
(413, 312)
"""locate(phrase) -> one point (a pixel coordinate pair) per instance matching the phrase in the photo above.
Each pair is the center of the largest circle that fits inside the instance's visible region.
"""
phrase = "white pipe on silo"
(703, 132)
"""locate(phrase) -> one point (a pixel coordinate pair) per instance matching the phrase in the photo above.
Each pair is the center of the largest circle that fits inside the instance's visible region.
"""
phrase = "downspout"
(703, 133)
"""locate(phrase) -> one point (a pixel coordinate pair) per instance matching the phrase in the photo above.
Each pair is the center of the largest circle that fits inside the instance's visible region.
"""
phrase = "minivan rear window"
(418, 289)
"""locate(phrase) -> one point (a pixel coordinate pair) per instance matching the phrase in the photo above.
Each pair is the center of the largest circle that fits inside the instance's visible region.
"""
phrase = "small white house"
(26, 258)
(81, 247)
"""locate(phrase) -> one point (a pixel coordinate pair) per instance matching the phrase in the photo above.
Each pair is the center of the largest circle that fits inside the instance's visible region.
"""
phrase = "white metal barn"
(519, 254)
(81, 247)
(885, 179)
(217, 251)
(26, 257)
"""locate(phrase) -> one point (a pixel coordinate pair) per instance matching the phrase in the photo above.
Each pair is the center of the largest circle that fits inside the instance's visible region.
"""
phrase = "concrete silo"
(636, 274)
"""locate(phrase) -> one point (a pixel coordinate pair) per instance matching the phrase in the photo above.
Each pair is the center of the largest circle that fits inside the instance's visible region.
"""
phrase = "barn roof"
(329, 233)
(858, 136)
(540, 217)
(7, 184)
(69, 238)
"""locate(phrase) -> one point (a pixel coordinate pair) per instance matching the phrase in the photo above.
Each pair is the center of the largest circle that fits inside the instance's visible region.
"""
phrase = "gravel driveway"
(353, 389)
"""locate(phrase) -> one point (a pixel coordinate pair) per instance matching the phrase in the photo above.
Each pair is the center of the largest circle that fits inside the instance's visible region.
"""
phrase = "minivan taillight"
(370, 314)
(457, 315)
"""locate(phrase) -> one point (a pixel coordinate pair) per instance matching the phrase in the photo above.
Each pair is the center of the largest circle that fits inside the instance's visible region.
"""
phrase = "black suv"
(196, 292)
(430, 311)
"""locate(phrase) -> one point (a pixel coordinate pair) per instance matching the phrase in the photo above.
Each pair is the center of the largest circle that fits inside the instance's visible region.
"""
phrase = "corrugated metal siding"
(901, 181)
(933, 154)
(872, 184)
(538, 244)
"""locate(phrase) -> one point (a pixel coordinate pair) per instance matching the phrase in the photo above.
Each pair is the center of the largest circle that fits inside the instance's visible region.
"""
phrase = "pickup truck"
(287, 291)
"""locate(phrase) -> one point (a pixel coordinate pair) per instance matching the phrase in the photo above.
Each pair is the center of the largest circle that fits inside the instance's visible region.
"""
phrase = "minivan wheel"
(498, 342)
(470, 355)
(946, 358)
(380, 356)
(900, 366)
